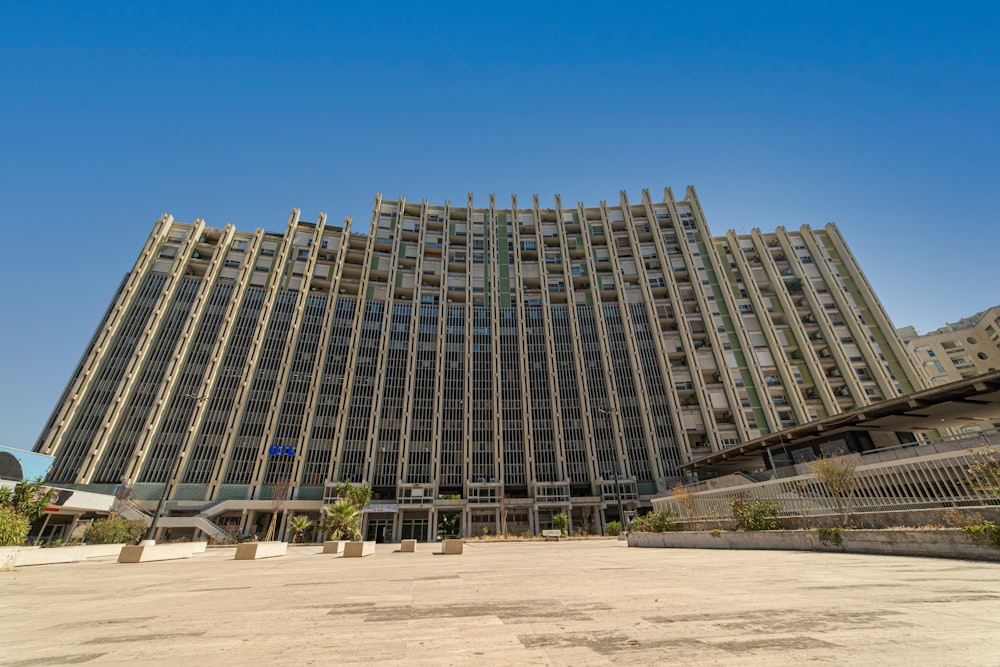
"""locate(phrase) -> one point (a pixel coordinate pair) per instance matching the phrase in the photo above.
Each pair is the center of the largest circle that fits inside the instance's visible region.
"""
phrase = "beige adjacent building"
(482, 367)
(959, 350)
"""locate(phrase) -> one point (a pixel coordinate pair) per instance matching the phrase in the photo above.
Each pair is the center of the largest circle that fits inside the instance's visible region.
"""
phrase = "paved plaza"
(586, 602)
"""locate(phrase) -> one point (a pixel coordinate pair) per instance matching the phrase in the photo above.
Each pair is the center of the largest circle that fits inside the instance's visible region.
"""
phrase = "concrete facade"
(487, 366)
(959, 350)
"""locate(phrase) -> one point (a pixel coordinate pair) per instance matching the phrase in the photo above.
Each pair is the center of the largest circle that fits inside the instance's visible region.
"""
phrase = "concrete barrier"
(29, 556)
(359, 549)
(258, 550)
(148, 551)
(104, 550)
(334, 546)
(408, 546)
(452, 547)
(50, 556)
(7, 555)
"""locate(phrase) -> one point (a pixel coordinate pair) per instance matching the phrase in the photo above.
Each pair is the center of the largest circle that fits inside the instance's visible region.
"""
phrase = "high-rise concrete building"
(491, 366)
(959, 350)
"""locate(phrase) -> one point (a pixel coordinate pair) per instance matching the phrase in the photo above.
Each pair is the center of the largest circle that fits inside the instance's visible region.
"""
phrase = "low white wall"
(939, 543)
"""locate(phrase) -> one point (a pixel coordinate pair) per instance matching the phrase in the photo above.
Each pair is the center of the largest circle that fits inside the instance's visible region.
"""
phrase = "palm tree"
(342, 520)
(299, 524)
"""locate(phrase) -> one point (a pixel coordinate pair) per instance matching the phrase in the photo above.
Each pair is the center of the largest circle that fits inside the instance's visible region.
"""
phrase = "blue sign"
(281, 450)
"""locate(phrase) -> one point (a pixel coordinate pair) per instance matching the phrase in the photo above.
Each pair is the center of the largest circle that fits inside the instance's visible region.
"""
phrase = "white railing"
(934, 481)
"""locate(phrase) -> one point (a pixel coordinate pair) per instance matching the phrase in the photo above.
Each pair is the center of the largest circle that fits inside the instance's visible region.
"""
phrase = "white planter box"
(334, 546)
(408, 546)
(359, 549)
(145, 553)
(258, 550)
(452, 547)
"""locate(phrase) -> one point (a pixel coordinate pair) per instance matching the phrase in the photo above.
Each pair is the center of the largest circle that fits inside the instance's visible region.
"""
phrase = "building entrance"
(415, 528)
(379, 530)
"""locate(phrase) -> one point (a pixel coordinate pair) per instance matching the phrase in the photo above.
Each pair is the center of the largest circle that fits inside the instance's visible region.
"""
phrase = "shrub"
(838, 475)
(14, 527)
(984, 533)
(756, 514)
(613, 528)
(561, 522)
(831, 536)
(113, 530)
(658, 521)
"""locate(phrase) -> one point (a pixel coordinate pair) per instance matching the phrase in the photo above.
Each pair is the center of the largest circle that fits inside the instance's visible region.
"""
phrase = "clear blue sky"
(880, 116)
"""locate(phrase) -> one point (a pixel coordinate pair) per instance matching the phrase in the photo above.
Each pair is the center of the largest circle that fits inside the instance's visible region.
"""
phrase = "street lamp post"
(151, 533)
(618, 488)
(621, 509)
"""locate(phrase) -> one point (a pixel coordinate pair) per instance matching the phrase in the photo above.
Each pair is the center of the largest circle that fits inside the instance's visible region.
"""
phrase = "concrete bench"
(148, 551)
(408, 546)
(551, 535)
(258, 550)
(359, 549)
(452, 547)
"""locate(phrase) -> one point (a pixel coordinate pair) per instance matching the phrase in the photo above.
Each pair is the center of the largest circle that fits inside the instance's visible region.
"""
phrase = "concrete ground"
(588, 602)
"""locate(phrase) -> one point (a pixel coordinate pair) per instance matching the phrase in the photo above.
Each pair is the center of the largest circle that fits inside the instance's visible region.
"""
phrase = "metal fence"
(965, 478)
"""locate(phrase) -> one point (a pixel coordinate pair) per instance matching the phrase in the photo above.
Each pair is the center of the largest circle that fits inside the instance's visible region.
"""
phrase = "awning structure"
(972, 402)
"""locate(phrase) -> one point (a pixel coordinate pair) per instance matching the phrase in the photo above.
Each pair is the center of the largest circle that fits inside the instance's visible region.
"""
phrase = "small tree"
(299, 524)
(657, 521)
(113, 530)
(985, 471)
(342, 520)
(685, 497)
(756, 514)
(27, 498)
(561, 522)
(279, 494)
(19, 507)
(14, 527)
(838, 476)
(587, 526)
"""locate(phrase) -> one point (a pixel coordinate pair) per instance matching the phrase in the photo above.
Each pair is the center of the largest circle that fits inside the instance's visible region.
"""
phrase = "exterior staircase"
(130, 510)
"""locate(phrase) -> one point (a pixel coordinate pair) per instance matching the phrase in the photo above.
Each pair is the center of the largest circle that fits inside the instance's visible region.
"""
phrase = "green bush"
(561, 522)
(984, 533)
(114, 530)
(831, 536)
(27, 498)
(756, 514)
(613, 528)
(657, 521)
(14, 527)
